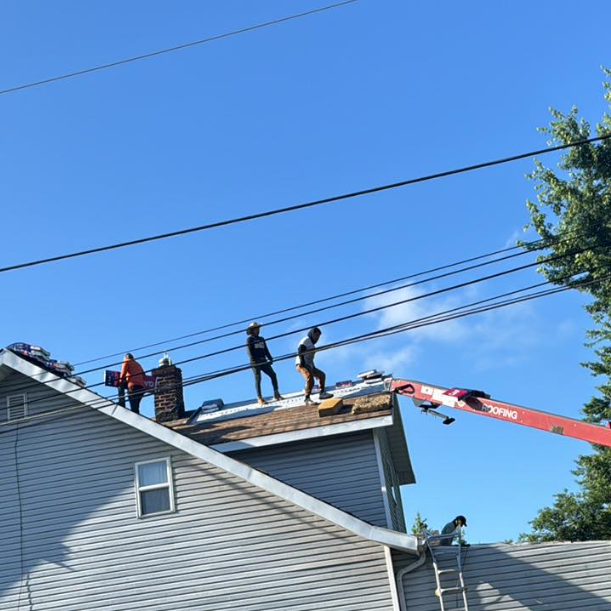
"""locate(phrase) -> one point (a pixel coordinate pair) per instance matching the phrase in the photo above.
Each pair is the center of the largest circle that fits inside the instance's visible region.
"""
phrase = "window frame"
(169, 485)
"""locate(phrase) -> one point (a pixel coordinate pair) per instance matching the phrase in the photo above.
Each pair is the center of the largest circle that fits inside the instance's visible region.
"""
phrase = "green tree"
(419, 525)
(573, 211)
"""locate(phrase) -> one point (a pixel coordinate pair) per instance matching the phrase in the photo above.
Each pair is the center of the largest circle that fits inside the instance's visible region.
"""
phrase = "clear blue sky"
(371, 93)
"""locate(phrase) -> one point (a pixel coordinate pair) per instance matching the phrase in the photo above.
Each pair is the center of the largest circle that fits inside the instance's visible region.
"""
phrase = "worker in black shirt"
(261, 361)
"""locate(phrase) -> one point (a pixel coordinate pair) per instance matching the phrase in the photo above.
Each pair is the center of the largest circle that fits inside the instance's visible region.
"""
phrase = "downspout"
(399, 578)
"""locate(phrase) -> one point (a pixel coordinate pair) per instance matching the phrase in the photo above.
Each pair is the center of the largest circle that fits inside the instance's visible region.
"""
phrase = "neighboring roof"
(383, 536)
(246, 425)
(503, 577)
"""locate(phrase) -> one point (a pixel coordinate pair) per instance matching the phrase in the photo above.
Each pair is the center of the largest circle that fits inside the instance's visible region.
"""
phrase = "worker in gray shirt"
(305, 365)
(453, 527)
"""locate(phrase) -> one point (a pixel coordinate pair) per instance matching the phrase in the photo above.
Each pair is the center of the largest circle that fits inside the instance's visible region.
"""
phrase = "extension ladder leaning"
(441, 549)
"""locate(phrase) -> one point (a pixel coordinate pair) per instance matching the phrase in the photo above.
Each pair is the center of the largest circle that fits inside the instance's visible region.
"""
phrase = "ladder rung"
(451, 590)
(447, 571)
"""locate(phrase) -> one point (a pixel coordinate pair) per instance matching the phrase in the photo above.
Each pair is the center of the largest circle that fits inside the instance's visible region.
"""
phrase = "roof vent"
(372, 374)
(16, 407)
(211, 406)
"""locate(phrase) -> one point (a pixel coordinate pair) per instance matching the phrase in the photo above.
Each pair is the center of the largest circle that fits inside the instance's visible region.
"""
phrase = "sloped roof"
(246, 425)
(296, 418)
(500, 577)
(383, 536)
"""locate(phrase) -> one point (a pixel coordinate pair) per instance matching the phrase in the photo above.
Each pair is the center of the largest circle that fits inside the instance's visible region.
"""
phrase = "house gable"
(226, 463)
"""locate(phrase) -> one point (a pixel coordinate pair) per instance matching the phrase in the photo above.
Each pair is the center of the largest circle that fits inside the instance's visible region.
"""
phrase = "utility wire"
(397, 329)
(351, 316)
(311, 204)
(315, 311)
(368, 296)
(136, 58)
(309, 312)
(538, 244)
(395, 303)
(365, 312)
(437, 318)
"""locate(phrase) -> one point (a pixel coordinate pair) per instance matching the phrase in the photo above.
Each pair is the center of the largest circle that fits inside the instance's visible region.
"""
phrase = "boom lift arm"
(428, 398)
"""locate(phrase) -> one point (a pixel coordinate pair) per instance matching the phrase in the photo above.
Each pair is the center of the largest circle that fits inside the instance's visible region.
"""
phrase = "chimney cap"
(165, 360)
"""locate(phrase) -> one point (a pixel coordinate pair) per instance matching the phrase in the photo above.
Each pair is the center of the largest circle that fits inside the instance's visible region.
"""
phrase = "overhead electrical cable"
(316, 310)
(181, 47)
(438, 318)
(363, 312)
(397, 329)
(310, 204)
(394, 287)
(538, 244)
(370, 310)
(412, 299)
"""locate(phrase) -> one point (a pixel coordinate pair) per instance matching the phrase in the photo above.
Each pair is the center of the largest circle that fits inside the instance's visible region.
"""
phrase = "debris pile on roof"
(364, 405)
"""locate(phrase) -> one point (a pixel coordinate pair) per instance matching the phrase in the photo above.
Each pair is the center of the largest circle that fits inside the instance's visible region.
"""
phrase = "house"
(233, 506)
(106, 509)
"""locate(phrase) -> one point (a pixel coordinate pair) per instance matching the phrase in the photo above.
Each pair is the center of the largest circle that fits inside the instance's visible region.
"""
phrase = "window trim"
(169, 485)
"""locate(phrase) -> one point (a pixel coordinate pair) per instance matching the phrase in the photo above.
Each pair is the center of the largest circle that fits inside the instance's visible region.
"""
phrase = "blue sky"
(375, 92)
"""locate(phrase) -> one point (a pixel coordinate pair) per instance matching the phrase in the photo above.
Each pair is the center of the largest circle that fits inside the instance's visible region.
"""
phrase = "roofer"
(132, 375)
(453, 527)
(261, 361)
(305, 365)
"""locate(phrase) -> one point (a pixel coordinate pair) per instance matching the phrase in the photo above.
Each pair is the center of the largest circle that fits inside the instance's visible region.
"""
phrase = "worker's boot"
(325, 395)
(261, 401)
(278, 396)
(309, 401)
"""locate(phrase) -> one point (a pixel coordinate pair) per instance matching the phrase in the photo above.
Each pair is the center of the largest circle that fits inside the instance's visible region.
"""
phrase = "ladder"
(442, 553)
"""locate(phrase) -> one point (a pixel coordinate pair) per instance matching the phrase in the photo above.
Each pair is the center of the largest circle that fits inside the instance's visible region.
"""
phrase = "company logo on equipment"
(503, 412)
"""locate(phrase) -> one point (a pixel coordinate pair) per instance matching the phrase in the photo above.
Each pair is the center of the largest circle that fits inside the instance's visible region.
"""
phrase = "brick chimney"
(169, 402)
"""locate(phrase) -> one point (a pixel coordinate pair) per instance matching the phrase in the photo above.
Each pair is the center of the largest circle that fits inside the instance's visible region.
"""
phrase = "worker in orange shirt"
(132, 375)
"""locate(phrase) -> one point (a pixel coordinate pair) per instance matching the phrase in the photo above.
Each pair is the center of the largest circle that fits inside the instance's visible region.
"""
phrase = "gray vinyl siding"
(340, 469)
(39, 398)
(391, 483)
(229, 544)
(551, 576)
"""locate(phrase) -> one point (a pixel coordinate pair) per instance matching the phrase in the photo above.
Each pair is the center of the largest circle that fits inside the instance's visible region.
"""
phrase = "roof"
(247, 425)
(501, 577)
(383, 536)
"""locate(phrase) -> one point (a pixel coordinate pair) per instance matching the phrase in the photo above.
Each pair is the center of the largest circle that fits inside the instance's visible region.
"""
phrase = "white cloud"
(392, 361)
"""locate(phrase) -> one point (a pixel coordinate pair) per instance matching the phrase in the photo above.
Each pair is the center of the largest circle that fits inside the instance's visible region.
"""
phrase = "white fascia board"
(313, 433)
(396, 540)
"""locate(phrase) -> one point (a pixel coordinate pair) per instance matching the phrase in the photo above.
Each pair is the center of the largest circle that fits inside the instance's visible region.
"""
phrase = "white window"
(154, 487)
(16, 407)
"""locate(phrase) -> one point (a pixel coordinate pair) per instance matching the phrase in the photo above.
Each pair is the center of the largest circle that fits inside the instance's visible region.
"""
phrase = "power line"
(361, 313)
(437, 318)
(538, 244)
(311, 204)
(285, 319)
(395, 303)
(317, 310)
(180, 47)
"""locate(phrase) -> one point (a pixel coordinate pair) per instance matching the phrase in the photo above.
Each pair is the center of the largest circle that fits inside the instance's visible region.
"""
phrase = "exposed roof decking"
(273, 423)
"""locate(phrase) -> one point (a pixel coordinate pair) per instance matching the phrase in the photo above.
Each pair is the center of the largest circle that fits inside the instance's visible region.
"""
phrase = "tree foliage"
(419, 525)
(573, 211)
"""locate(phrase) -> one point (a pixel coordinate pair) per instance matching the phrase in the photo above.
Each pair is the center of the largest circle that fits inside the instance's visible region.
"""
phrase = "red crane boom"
(429, 397)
